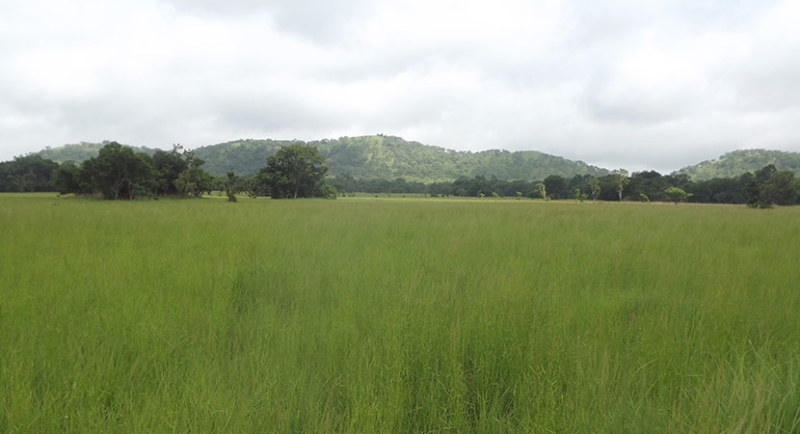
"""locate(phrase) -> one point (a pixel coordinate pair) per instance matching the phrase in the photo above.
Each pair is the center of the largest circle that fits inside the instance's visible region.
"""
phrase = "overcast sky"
(618, 83)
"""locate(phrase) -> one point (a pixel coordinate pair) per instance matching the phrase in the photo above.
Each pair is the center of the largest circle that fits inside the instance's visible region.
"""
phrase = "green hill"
(736, 163)
(367, 157)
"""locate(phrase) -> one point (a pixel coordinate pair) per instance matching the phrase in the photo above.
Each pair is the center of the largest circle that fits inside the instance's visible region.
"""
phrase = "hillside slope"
(390, 157)
(366, 157)
(736, 163)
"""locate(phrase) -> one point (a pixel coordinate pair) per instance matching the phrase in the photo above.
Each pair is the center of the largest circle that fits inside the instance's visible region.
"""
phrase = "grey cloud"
(768, 83)
(322, 21)
(203, 72)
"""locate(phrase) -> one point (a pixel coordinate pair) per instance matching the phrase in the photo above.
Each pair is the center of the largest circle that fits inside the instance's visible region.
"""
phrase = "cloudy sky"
(617, 83)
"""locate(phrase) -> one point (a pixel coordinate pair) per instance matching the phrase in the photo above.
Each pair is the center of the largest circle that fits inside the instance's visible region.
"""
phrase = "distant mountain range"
(389, 157)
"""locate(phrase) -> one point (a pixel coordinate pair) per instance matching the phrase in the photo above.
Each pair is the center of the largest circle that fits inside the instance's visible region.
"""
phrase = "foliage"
(677, 194)
(232, 186)
(719, 190)
(379, 156)
(169, 165)
(556, 186)
(578, 196)
(769, 187)
(80, 152)
(119, 173)
(30, 173)
(594, 186)
(69, 178)
(734, 164)
(328, 191)
(193, 181)
(296, 171)
(542, 190)
(620, 179)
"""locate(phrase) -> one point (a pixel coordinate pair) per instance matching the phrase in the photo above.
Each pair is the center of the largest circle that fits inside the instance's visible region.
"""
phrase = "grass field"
(366, 315)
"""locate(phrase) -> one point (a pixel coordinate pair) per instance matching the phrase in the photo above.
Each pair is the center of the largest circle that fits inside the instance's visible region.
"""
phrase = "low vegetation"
(392, 315)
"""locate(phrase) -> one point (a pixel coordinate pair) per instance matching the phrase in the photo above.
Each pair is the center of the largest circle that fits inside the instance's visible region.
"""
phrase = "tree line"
(298, 170)
(119, 172)
(762, 189)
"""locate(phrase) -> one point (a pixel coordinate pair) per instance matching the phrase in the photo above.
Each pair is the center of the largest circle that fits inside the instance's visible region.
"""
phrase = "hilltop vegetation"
(388, 157)
(125, 173)
(737, 163)
(80, 152)
(370, 157)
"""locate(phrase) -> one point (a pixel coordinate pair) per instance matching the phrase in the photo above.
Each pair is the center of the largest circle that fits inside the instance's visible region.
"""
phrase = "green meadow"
(397, 315)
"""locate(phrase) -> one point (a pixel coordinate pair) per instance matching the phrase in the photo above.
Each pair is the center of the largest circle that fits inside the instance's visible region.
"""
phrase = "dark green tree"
(781, 188)
(769, 187)
(70, 178)
(344, 183)
(169, 165)
(27, 174)
(232, 186)
(193, 181)
(295, 171)
(556, 186)
(649, 184)
(119, 173)
(719, 190)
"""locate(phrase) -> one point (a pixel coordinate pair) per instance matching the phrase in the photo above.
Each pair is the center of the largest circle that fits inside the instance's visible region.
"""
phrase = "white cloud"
(619, 83)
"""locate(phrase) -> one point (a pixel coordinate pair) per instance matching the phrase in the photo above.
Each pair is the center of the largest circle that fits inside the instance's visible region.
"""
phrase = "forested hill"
(378, 156)
(736, 163)
(390, 157)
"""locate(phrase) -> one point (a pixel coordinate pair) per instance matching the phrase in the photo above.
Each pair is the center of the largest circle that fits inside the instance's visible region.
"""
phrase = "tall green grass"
(391, 315)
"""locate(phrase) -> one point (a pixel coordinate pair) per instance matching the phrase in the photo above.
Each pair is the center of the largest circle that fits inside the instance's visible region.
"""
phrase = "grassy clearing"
(365, 315)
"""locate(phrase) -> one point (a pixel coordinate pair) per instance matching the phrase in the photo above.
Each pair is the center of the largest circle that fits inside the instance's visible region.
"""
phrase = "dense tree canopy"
(295, 171)
(27, 174)
(169, 165)
(769, 187)
(117, 172)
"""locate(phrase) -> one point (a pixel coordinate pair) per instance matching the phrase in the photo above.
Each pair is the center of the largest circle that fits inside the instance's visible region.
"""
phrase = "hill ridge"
(736, 163)
(373, 156)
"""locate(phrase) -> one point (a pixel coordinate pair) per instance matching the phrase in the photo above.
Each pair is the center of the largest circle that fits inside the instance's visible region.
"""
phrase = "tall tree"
(28, 173)
(295, 171)
(542, 190)
(169, 165)
(193, 181)
(620, 177)
(594, 186)
(556, 186)
(70, 178)
(118, 173)
(769, 187)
